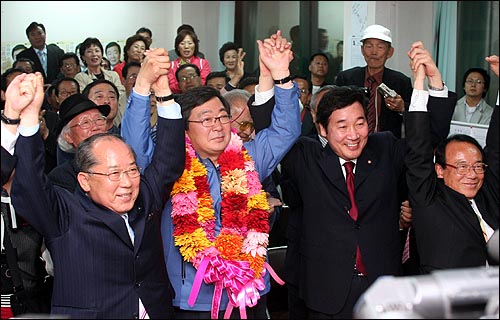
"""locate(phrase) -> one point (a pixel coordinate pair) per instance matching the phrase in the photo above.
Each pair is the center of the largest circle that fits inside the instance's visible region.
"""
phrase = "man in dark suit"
(376, 49)
(329, 272)
(455, 198)
(46, 57)
(105, 238)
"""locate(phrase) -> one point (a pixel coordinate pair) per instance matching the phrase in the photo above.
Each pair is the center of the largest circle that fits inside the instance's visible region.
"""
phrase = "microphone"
(492, 247)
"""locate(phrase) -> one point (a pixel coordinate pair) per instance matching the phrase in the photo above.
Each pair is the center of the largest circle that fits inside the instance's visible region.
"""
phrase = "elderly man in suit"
(105, 237)
(454, 197)
(46, 57)
(349, 233)
(383, 114)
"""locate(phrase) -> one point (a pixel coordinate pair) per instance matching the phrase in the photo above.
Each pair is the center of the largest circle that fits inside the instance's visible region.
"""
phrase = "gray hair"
(61, 140)
(314, 98)
(236, 94)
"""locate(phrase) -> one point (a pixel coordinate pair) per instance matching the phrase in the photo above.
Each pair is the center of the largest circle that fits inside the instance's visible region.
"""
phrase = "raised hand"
(19, 94)
(30, 114)
(240, 64)
(493, 61)
(153, 73)
(276, 54)
(420, 57)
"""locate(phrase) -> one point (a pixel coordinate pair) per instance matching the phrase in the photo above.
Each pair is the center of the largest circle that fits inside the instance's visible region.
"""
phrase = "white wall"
(68, 23)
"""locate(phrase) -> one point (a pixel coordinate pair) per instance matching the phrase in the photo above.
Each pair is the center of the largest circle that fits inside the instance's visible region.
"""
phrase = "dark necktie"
(372, 111)
(349, 166)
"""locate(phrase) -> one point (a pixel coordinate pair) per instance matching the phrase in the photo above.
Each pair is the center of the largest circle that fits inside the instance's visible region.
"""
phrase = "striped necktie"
(43, 59)
(481, 222)
(372, 105)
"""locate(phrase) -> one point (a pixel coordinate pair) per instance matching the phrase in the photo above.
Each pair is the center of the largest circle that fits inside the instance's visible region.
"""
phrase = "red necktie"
(406, 250)
(372, 111)
(349, 166)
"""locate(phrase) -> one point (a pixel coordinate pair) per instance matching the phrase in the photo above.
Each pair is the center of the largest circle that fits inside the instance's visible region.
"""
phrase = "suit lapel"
(137, 221)
(330, 164)
(113, 220)
(365, 165)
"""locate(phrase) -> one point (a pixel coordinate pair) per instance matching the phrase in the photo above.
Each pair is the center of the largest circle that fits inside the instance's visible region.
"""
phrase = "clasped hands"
(24, 98)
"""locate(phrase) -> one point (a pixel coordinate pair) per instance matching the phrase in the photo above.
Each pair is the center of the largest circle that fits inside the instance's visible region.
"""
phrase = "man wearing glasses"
(241, 119)
(209, 144)
(454, 198)
(188, 76)
(80, 118)
(105, 237)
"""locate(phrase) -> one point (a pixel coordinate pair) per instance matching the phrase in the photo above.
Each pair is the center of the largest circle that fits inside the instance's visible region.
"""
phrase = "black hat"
(73, 106)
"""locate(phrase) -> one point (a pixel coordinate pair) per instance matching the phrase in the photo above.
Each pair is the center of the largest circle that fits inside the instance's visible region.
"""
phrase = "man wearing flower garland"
(215, 226)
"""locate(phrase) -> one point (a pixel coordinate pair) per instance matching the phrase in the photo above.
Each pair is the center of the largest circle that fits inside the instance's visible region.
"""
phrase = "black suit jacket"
(447, 229)
(54, 56)
(389, 120)
(8, 165)
(322, 241)
(99, 272)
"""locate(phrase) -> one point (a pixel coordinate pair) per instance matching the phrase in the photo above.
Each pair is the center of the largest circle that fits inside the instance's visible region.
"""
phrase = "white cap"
(376, 31)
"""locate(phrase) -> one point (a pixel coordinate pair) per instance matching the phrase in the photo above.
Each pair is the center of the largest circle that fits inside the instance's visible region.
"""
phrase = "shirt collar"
(44, 50)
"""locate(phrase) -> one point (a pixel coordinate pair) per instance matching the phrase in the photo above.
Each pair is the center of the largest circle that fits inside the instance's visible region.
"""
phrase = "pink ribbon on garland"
(236, 277)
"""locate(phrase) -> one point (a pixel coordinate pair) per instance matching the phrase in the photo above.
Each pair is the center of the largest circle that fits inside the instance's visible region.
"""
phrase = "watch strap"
(9, 121)
(165, 98)
(283, 81)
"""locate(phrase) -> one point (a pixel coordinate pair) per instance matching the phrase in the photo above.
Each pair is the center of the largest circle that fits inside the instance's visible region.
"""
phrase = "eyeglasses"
(210, 122)
(66, 93)
(304, 91)
(87, 123)
(190, 77)
(244, 125)
(132, 173)
(69, 65)
(477, 81)
(463, 169)
(132, 76)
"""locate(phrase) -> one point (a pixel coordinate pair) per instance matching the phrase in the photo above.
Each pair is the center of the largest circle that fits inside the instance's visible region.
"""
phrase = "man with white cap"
(383, 114)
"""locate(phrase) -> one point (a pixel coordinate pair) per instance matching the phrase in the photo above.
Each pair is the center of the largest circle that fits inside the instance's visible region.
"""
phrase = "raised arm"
(30, 187)
(272, 143)
(18, 95)
(421, 177)
(135, 128)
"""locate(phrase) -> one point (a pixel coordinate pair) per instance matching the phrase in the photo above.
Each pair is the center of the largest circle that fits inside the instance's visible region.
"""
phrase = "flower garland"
(235, 258)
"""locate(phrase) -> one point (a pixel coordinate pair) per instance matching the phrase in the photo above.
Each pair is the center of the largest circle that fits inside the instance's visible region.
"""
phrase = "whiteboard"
(477, 131)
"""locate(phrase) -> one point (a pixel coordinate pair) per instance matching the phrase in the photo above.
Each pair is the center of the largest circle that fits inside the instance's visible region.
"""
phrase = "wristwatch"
(283, 81)
(165, 98)
(10, 121)
(434, 88)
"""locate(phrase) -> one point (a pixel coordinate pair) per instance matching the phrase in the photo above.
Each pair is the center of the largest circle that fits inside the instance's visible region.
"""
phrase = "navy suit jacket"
(389, 120)
(322, 238)
(99, 273)
(54, 56)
